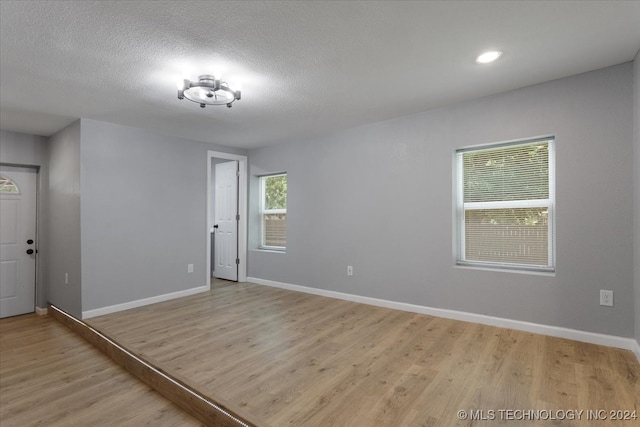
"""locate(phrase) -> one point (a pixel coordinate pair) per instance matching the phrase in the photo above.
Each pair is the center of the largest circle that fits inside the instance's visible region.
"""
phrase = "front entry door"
(226, 221)
(17, 241)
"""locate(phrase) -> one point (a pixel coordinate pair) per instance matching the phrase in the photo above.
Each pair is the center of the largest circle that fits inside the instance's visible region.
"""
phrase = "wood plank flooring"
(50, 376)
(295, 359)
(191, 400)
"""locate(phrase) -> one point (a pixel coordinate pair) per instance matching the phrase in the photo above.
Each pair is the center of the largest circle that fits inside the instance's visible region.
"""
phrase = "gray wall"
(63, 219)
(144, 208)
(379, 197)
(636, 188)
(31, 150)
(22, 148)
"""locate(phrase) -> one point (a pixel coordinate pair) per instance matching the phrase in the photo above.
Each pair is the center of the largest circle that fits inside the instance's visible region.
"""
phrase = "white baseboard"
(554, 331)
(41, 311)
(636, 349)
(142, 302)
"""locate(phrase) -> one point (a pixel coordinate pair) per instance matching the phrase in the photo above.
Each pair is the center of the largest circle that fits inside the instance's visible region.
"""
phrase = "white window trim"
(263, 211)
(461, 207)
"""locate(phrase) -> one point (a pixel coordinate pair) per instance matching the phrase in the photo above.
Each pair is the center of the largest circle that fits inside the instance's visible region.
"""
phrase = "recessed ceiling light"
(487, 57)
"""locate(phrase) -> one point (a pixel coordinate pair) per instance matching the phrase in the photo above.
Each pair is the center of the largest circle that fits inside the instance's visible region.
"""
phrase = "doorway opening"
(226, 216)
(18, 235)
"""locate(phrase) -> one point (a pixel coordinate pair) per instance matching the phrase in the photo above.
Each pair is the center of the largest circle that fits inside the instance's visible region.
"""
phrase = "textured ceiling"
(306, 68)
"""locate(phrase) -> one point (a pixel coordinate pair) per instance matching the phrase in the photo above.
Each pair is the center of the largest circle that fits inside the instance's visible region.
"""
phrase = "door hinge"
(238, 217)
(238, 174)
(237, 261)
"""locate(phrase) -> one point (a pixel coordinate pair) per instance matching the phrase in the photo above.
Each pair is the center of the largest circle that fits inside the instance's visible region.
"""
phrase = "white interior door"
(17, 239)
(225, 221)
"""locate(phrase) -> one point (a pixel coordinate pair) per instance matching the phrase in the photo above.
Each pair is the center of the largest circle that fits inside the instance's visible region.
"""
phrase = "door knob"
(29, 251)
(30, 242)
(215, 226)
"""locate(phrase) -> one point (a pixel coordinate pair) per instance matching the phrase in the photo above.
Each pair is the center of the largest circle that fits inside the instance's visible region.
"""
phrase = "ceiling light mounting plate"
(208, 90)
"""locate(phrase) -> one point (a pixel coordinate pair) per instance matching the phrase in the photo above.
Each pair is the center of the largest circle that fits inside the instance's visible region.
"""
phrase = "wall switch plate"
(66, 278)
(349, 270)
(606, 298)
(190, 268)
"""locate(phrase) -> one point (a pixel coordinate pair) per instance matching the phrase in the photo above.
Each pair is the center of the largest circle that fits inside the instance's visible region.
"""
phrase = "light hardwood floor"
(295, 359)
(50, 376)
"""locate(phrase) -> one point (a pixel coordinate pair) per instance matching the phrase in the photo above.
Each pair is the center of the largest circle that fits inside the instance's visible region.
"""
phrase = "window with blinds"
(505, 205)
(273, 209)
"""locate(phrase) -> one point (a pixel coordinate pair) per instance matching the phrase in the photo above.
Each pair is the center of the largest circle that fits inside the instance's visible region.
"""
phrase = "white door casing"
(225, 220)
(17, 227)
(212, 158)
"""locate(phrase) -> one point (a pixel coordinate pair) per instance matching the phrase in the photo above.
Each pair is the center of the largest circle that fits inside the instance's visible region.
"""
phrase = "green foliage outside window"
(514, 173)
(275, 192)
(520, 172)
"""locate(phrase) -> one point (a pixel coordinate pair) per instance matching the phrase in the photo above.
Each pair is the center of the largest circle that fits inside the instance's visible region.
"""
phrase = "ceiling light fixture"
(208, 91)
(487, 57)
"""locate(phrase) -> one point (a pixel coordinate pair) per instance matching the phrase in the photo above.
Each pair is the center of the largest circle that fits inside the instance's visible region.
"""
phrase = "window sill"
(272, 250)
(518, 270)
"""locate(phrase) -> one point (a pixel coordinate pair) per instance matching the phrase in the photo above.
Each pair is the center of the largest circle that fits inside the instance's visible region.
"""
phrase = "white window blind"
(505, 205)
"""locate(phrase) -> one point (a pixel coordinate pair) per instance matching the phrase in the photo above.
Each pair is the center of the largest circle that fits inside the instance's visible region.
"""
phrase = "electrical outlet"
(606, 297)
(189, 268)
(349, 270)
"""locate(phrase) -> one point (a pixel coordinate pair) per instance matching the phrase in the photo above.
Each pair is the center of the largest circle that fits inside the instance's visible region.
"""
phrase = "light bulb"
(487, 57)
